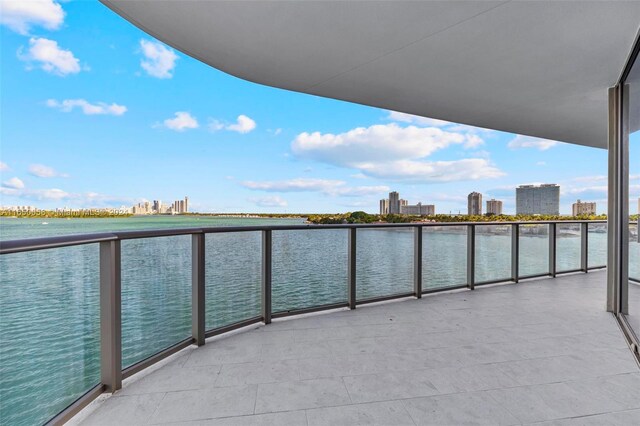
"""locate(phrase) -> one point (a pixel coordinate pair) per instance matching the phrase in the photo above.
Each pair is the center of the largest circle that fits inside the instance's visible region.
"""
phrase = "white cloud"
(359, 191)
(294, 185)
(243, 125)
(159, 60)
(433, 122)
(274, 201)
(473, 141)
(590, 179)
(325, 186)
(40, 170)
(3, 167)
(531, 142)
(21, 15)
(541, 163)
(50, 57)
(98, 108)
(13, 183)
(415, 119)
(182, 121)
(394, 152)
(434, 171)
(90, 199)
(47, 194)
(377, 143)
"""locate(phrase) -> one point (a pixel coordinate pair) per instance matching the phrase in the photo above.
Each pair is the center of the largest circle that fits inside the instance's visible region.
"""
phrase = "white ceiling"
(536, 68)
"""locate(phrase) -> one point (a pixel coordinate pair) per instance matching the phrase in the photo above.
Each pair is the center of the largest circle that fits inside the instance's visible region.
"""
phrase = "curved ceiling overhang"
(536, 68)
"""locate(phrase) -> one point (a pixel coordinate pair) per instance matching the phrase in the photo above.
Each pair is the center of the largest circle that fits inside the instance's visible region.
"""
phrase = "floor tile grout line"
(255, 400)
(346, 389)
(155, 410)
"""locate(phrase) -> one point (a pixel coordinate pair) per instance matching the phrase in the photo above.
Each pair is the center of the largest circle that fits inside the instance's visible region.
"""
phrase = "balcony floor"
(537, 351)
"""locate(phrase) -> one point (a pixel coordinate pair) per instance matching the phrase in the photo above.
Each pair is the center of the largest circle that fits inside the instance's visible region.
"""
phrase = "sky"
(97, 113)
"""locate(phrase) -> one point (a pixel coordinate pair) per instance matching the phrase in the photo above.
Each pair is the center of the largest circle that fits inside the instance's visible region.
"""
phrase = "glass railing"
(444, 257)
(80, 313)
(568, 247)
(232, 278)
(492, 261)
(597, 239)
(49, 331)
(634, 252)
(320, 281)
(384, 262)
(156, 295)
(534, 250)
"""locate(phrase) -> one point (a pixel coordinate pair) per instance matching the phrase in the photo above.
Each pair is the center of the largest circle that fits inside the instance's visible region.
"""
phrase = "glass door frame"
(618, 201)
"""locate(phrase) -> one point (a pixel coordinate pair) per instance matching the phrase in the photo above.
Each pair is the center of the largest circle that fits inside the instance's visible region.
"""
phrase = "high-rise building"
(474, 204)
(579, 208)
(418, 209)
(394, 203)
(543, 199)
(186, 204)
(402, 203)
(181, 204)
(494, 207)
(384, 206)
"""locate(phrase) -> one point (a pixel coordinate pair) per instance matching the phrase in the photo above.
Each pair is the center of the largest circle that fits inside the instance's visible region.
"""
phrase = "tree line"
(363, 217)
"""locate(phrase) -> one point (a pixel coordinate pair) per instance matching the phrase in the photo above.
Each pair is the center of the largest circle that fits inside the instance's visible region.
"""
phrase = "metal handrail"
(31, 244)
(112, 372)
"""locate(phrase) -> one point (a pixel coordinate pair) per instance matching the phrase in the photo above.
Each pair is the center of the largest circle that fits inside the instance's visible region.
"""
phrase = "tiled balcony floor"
(538, 351)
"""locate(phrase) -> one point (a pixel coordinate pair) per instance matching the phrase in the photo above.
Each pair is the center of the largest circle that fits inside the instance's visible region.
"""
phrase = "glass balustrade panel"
(49, 331)
(156, 295)
(309, 269)
(444, 257)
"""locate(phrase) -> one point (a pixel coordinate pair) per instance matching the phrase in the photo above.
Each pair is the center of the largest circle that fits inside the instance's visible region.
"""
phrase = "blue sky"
(97, 113)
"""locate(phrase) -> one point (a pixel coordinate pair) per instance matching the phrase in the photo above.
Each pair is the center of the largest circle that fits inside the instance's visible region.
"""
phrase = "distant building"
(394, 203)
(474, 204)
(494, 207)
(384, 206)
(186, 204)
(579, 208)
(543, 199)
(418, 209)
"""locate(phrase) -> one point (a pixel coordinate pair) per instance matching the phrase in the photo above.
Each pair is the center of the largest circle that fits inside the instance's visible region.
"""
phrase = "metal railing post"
(552, 249)
(351, 269)
(266, 276)
(110, 316)
(417, 261)
(584, 246)
(471, 256)
(197, 288)
(515, 252)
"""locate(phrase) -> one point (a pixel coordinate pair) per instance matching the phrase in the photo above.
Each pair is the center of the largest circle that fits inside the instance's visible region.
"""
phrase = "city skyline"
(543, 199)
(137, 126)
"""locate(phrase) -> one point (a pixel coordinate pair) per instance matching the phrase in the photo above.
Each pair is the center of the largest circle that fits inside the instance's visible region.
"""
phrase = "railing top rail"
(30, 244)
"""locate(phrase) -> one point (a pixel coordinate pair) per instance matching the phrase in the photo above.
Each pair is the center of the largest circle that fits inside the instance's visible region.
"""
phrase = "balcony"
(139, 306)
(508, 354)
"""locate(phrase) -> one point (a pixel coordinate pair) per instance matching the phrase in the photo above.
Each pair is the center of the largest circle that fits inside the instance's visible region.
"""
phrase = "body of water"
(49, 299)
